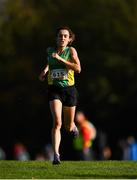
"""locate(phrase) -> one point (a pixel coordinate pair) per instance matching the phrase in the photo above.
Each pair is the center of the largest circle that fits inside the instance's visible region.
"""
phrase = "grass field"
(68, 170)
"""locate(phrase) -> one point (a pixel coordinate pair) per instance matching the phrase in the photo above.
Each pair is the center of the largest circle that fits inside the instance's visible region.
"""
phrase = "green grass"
(68, 170)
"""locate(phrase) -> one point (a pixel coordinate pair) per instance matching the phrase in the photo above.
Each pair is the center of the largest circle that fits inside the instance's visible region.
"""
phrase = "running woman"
(63, 62)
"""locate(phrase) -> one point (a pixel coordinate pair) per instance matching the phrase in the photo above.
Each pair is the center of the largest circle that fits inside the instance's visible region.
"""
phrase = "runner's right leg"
(56, 110)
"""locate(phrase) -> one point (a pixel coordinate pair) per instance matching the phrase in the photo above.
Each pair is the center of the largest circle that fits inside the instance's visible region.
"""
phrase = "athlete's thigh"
(69, 114)
(56, 109)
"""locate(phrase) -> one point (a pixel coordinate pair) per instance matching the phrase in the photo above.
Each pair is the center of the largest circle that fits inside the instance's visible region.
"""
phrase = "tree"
(106, 39)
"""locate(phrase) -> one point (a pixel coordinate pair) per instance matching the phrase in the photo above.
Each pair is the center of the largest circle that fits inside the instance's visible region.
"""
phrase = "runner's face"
(63, 38)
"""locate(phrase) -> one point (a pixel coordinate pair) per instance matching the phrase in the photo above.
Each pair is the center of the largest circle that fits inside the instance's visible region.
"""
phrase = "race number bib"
(60, 74)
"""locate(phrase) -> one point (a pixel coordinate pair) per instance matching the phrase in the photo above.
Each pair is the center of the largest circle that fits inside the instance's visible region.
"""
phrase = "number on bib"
(60, 74)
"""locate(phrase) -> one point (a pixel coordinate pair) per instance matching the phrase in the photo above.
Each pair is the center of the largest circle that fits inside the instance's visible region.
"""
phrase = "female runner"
(63, 62)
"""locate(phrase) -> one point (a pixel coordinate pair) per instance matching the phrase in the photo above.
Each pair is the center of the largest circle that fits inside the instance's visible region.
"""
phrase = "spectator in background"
(123, 144)
(106, 153)
(46, 153)
(20, 152)
(129, 148)
(40, 157)
(2, 154)
(103, 149)
(49, 152)
(87, 135)
(132, 148)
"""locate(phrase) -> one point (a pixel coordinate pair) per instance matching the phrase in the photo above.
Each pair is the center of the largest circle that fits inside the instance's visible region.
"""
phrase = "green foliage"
(106, 34)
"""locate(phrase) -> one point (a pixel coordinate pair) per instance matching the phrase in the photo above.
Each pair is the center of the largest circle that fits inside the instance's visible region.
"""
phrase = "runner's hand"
(55, 55)
(42, 76)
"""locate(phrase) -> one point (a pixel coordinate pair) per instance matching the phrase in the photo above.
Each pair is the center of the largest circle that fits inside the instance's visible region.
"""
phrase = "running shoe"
(75, 132)
(56, 160)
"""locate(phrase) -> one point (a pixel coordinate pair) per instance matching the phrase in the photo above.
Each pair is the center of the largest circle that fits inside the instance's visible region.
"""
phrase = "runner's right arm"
(43, 73)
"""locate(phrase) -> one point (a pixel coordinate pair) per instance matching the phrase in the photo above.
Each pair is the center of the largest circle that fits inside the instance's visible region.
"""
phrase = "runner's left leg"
(69, 115)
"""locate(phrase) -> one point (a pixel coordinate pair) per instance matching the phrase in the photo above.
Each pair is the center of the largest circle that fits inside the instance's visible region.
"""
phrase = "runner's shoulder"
(73, 50)
(49, 50)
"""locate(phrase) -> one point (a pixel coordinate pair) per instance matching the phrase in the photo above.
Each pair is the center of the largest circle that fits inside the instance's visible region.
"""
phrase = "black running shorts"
(67, 95)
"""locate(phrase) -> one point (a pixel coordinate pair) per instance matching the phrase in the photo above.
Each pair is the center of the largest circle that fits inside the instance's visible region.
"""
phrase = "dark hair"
(71, 34)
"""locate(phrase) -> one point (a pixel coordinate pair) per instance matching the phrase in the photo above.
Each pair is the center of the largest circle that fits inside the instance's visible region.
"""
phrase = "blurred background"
(106, 41)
